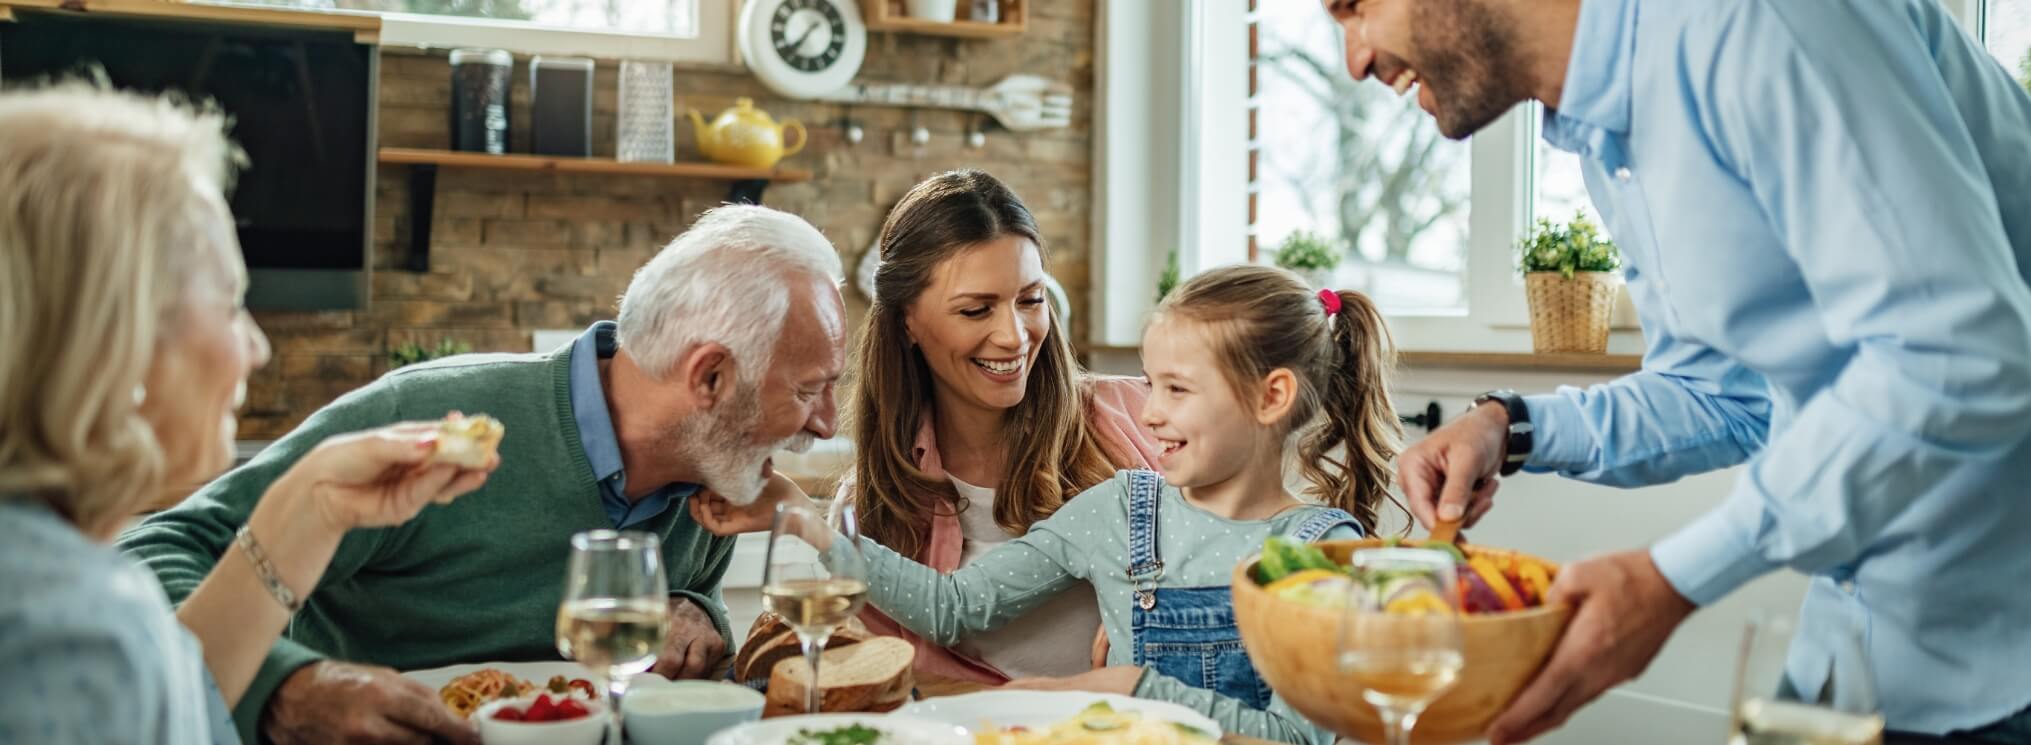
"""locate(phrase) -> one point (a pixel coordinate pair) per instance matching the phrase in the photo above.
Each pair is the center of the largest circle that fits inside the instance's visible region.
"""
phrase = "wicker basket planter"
(1571, 314)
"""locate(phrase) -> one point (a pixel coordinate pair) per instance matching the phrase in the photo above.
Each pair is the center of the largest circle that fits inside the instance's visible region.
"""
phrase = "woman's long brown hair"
(1053, 453)
(1263, 318)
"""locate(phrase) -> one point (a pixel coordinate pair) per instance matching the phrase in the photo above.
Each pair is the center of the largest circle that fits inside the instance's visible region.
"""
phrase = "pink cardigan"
(1114, 411)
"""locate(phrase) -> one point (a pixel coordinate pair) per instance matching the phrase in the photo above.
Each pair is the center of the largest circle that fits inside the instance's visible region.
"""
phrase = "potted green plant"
(1571, 280)
(411, 353)
(1310, 256)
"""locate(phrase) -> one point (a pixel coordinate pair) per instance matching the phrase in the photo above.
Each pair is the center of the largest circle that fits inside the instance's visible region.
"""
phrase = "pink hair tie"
(1331, 300)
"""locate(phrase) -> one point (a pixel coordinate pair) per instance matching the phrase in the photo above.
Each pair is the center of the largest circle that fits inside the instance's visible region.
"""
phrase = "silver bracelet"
(266, 571)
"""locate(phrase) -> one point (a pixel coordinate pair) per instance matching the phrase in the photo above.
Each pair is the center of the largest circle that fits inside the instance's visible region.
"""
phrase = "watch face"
(808, 35)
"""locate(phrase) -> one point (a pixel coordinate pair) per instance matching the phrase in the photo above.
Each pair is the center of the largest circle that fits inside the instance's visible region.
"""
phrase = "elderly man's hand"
(1623, 611)
(337, 702)
(694, 647)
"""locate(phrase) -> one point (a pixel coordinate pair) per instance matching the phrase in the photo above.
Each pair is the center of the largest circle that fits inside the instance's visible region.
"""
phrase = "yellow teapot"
(746, 136)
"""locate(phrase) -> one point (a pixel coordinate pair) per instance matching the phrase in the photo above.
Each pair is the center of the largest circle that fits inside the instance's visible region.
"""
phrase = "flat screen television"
(303, 108)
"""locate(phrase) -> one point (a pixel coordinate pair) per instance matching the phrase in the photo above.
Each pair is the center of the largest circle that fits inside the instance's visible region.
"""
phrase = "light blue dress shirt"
(89, 650)
(1825, 212)
(596, 433)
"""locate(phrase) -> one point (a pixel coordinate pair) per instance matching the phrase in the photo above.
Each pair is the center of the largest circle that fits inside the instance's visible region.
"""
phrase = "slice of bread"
(770, 641)
(872, 676)
(467, 441)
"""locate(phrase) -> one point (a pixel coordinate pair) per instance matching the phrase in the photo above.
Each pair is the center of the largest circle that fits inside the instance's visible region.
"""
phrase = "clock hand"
(799, 43)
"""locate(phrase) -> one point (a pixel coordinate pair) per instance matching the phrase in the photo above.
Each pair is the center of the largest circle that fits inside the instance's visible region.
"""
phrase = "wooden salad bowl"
(1296, 649)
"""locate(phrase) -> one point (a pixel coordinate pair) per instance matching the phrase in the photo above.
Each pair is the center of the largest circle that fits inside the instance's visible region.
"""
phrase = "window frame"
(713, 45)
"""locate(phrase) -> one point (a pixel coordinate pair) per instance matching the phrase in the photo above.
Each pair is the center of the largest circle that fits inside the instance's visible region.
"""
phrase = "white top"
(1056, 639)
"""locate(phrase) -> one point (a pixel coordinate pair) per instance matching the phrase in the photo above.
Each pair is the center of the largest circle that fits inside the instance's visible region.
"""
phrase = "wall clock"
(803, 48)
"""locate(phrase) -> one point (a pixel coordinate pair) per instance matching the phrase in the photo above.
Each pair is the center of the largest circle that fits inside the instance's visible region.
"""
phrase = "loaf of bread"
(871, 676)
(771, 641)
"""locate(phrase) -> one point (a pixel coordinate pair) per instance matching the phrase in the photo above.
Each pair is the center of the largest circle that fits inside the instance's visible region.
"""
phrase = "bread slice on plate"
(872, 676)
(770, 641)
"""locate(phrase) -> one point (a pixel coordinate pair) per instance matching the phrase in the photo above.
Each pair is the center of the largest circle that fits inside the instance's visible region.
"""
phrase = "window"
(653, 17)
(695, 31)
(1559, 189)
(1357, 166)
(2007, 31)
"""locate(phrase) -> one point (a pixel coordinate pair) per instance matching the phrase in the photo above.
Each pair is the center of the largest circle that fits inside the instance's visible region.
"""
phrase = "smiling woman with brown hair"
(970, 419)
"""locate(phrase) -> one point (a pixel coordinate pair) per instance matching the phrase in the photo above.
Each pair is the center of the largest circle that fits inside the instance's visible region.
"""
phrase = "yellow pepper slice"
(1534, 576)
(1493, 576)
(1304, 577)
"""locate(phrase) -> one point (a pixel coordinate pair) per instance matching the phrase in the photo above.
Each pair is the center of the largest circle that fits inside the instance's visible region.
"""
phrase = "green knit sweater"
(478, 580)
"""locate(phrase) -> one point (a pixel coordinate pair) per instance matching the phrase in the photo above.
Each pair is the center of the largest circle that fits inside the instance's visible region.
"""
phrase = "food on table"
(871, 676)
(1098, 724)
(467, 441)
(771, 640)
(465, 694)
(852, 734)
(1486, 582)
(544, 709)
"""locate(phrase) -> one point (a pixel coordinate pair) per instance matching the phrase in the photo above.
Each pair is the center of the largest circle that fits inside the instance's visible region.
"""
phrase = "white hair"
(724, 281)
(109, 204)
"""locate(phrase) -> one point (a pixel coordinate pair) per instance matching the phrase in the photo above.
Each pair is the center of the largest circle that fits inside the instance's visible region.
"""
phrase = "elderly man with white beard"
(727, 348)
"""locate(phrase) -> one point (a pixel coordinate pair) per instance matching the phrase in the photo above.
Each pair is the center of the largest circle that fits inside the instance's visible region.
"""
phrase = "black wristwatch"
(1517, 449)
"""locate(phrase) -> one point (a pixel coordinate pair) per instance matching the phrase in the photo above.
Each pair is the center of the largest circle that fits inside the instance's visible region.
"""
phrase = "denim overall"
(1189, 633)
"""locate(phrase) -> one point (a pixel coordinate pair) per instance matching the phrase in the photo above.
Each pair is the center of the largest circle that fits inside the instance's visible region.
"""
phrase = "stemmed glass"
(616, 609)
(816, 579)
(1767, 710)
(1401, 640)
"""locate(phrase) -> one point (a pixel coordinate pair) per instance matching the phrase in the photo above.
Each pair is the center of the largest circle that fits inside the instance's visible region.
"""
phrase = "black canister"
(480, 83)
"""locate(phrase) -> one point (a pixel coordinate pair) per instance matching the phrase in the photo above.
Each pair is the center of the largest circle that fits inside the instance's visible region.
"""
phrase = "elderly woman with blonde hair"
(124, 350)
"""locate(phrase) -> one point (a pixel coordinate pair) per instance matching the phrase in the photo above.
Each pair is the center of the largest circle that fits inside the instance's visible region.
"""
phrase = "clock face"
(802, 48)
(809, 35)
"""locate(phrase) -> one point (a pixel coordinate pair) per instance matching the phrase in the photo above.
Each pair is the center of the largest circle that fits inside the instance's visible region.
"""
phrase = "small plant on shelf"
(1309, 255)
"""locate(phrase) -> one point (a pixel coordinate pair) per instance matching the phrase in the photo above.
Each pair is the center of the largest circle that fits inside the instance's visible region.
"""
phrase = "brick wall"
(514, 252)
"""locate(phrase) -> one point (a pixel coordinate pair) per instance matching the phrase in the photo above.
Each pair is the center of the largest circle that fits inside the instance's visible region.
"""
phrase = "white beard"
(726, 465)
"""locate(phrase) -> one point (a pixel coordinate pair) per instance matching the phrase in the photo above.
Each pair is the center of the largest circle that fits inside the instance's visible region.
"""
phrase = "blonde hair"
(1261, 319)
(109, 202)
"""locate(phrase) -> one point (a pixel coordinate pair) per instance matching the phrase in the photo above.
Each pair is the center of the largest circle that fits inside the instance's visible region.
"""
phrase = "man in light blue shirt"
(1825, 213)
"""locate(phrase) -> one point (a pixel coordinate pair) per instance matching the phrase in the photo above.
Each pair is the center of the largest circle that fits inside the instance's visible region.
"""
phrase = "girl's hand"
(1119, 679)
(723, 518)
(378, 477)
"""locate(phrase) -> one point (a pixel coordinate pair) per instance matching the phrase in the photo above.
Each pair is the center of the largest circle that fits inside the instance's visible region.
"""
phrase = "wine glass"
(1401, 640)
(616, 609)
(816, 579)
(1768, 710)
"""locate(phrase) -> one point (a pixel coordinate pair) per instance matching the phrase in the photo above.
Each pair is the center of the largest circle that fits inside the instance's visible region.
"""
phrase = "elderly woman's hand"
(379, 477)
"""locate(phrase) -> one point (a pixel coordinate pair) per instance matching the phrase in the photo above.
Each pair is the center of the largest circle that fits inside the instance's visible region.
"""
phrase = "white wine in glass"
(1767, 713)
(616, 609)
(1402, 660)
(816, 579)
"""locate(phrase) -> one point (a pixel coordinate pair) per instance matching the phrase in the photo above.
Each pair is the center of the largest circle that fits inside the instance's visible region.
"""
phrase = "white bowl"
(586, 730)
(903, 730)
(686, 712)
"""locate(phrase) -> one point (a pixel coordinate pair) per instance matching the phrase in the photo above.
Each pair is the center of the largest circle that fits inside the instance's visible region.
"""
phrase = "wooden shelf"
(714, 171)
(1571, 362)
(890, 15)
(365, 27)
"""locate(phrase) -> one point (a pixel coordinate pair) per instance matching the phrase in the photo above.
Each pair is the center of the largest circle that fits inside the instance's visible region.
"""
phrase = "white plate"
(1040, 709)
(534, 672)
(903, 730)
